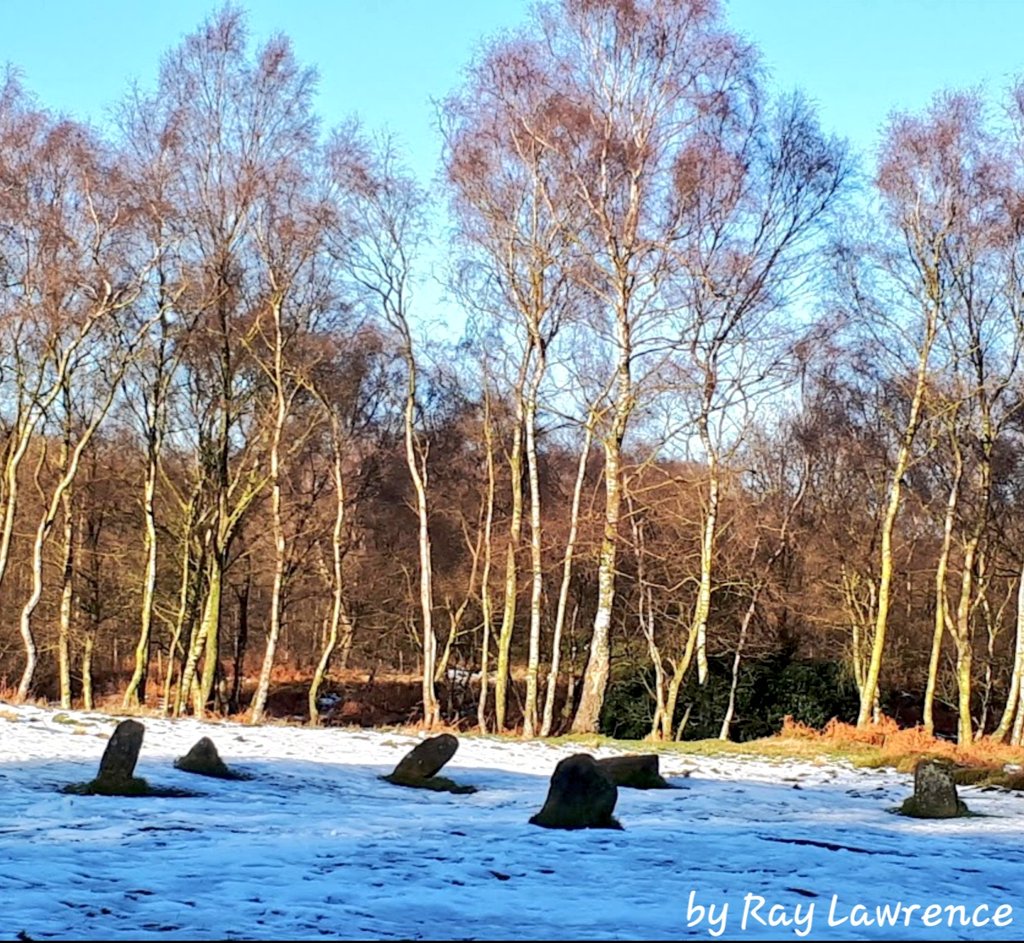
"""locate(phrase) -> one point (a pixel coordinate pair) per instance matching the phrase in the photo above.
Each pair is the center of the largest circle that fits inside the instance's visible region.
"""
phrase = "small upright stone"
(204, 759)
(934, 793)
(117, 764)
(638, 771)
(581, 795)
(426, 759)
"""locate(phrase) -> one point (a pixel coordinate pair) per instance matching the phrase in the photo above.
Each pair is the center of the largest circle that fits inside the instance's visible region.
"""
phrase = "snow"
(316, 845)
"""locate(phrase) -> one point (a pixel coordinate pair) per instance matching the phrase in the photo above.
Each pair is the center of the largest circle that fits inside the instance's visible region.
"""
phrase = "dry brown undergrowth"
(885, 743)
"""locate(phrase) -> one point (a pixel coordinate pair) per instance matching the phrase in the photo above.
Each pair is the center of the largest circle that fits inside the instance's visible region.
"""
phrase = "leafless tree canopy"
(718, 416)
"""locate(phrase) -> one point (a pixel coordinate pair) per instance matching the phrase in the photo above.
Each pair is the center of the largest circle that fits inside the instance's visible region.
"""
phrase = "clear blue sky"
(385, 59)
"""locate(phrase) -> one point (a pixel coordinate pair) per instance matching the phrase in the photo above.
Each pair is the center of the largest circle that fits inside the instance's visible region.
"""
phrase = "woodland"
(733, 431)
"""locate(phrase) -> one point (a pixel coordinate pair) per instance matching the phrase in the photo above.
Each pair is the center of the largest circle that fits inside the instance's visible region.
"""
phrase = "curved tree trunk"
(941, 598)
(135, 693)
(563, 590)
(595, 678)
(1011, 710)
(508, 616)
(259, 700)
(531, 718)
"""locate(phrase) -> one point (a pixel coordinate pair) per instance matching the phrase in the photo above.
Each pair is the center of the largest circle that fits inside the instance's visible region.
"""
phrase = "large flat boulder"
(581, 795)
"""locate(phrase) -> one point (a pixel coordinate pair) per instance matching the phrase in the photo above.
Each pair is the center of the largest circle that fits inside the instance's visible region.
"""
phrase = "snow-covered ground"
(316, 845)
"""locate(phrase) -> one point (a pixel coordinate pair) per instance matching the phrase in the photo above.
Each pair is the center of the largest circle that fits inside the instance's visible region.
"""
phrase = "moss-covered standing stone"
(581, 795)
(122, 752)
(934, 793)
(117, 765)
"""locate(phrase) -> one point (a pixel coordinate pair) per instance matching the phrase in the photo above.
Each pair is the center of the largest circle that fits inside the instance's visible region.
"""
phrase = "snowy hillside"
(315, 845)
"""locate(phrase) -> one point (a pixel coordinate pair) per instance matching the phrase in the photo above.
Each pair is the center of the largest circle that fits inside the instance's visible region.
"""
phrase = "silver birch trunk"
(530, 714)
(941, 600)
(340, 624)
(134, 693)
(508, 616)
(869, 692)
(563, 589)
(595, 679)
(66, 599)
(259, 700)
(485, 578)
(1010, 711)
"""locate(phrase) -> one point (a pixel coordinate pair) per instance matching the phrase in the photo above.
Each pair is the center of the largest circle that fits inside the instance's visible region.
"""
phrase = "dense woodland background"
(734, 430)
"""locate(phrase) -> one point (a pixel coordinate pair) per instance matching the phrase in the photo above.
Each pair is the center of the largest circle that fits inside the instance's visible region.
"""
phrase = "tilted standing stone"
(117, 765)
(426, 759)
(420, 766)
(934, 792)
(581, 795)
(637, 771)
(204, 759)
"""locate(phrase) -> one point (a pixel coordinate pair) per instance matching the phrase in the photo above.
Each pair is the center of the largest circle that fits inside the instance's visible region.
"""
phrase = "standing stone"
(581, 795)
(122, 753)
(204, 759)
(934, 792)
(117, 765)
(638, 771)
(425, 760)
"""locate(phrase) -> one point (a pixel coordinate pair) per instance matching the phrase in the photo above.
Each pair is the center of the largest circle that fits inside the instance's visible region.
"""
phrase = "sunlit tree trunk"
(340, 626)
(595, 678)
(200, 646)
(941, 596)
(511, 586)
(730, 708)
(707, 556)
(135, 693)
(88, 646)
(68, 470)
(563, 590)
(66, 600)
(486, 603)
(869, 692)
(531, 718)
(1005, 726)
(259, 700)
(416, 460)
(964, 649)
